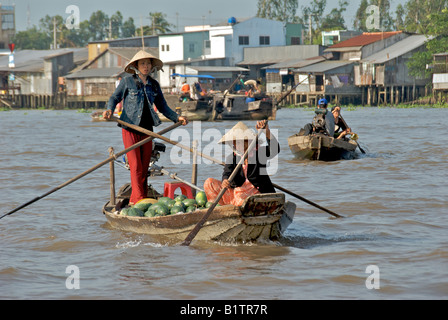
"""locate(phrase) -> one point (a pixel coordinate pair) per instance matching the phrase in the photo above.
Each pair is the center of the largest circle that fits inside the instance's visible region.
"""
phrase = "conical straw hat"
(156, 62)
(239, 132)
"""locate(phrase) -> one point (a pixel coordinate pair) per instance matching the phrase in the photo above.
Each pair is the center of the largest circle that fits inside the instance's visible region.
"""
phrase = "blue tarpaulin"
(192, 76)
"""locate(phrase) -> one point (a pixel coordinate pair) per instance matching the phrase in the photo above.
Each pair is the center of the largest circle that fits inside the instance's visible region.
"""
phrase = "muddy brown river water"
(392, 243)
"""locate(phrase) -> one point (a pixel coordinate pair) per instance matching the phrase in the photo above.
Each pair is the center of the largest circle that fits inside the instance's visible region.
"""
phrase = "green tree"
(279, 10)
(400, 15)
(417, 13)
(360, 17)
(128, 28)
(314, 13)
(159, 24)
(438, 28)
(116, 24)
(32, 38)
(386, 22)
(335, 20)
(98, 25)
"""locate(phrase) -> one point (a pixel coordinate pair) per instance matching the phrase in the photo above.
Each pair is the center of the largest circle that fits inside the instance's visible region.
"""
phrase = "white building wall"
(254, 28)
(171, 48)
(218, 36)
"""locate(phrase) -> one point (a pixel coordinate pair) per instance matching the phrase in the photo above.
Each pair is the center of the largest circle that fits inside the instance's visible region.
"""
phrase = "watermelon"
(134, 212)
(124, 211)
(189, 202)
(164, 200)
(176, 209)
(190, 209)
(143, 206)
(180, 198)
(160, 209)
(150, 213)
(180, 204)
(201, 199)
(170, 203)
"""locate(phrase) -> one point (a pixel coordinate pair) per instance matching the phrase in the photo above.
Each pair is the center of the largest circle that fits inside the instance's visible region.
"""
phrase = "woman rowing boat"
(252, 178)
(140, 92)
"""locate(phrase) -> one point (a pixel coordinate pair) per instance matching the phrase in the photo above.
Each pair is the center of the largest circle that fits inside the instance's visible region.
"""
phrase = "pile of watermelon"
(166, 206)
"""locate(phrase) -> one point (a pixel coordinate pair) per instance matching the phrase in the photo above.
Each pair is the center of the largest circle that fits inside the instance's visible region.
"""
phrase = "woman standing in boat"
(252, 178)
(140, 92)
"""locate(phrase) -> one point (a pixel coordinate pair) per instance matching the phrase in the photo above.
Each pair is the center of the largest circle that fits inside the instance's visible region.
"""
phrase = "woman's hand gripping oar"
(199, 225)
(112, 158)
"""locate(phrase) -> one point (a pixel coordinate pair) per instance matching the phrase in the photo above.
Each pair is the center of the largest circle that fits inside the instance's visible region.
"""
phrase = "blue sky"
(182, 12)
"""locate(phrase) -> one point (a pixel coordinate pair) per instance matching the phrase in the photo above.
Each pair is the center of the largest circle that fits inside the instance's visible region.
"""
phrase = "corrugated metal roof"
(33, 60)
(96, 73)
(296, 63)
(363, 39)
(258, 61)
(324, 66)
(217, 69)
(397, 49)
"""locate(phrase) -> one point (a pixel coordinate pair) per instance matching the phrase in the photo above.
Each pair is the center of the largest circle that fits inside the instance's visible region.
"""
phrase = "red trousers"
(138, 160)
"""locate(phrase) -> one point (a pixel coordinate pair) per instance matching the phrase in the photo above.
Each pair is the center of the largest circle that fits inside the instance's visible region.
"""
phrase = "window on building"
(243, 40)
(265, 40)
(163, 47)
(7, 21)
(207, 47)
(167, 47)
(295, 40)
(191, 47)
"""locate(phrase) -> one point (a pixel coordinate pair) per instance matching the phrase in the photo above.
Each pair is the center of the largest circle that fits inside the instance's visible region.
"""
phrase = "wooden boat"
(261, 217)
(321, 147)
(194, 110)
(235, 107)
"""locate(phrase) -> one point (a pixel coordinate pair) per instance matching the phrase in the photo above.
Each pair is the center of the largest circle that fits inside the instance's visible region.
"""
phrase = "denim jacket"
(132, 91)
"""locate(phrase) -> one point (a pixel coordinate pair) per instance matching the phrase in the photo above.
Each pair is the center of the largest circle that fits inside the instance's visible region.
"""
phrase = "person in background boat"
(252, 177)
(185, 90)
(140, 93)
(199, 91)
(253, 89)
(323, 122)
(340, 129)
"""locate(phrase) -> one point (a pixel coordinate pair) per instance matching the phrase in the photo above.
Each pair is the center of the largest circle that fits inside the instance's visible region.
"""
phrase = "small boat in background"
(321, 147)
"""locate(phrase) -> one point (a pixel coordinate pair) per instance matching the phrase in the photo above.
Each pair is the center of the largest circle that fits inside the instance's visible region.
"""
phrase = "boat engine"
(319, 123)
(154, 170)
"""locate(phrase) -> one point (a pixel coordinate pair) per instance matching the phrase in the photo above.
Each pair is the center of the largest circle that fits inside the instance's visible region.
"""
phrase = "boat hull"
(321, 147)
(261, 217)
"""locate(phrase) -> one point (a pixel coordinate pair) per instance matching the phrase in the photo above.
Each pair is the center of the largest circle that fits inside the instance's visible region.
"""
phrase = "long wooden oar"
(306, 200)
(140, 129)
(158, 136)
(345, 123)
(199, 225)
(111, 158)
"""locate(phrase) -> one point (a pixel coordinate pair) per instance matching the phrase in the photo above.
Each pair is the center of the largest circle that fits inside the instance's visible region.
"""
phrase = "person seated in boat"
(199, 92)
(340, 128)
(323, 121)
(253, 90)
(185, 91)
(252, 177)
